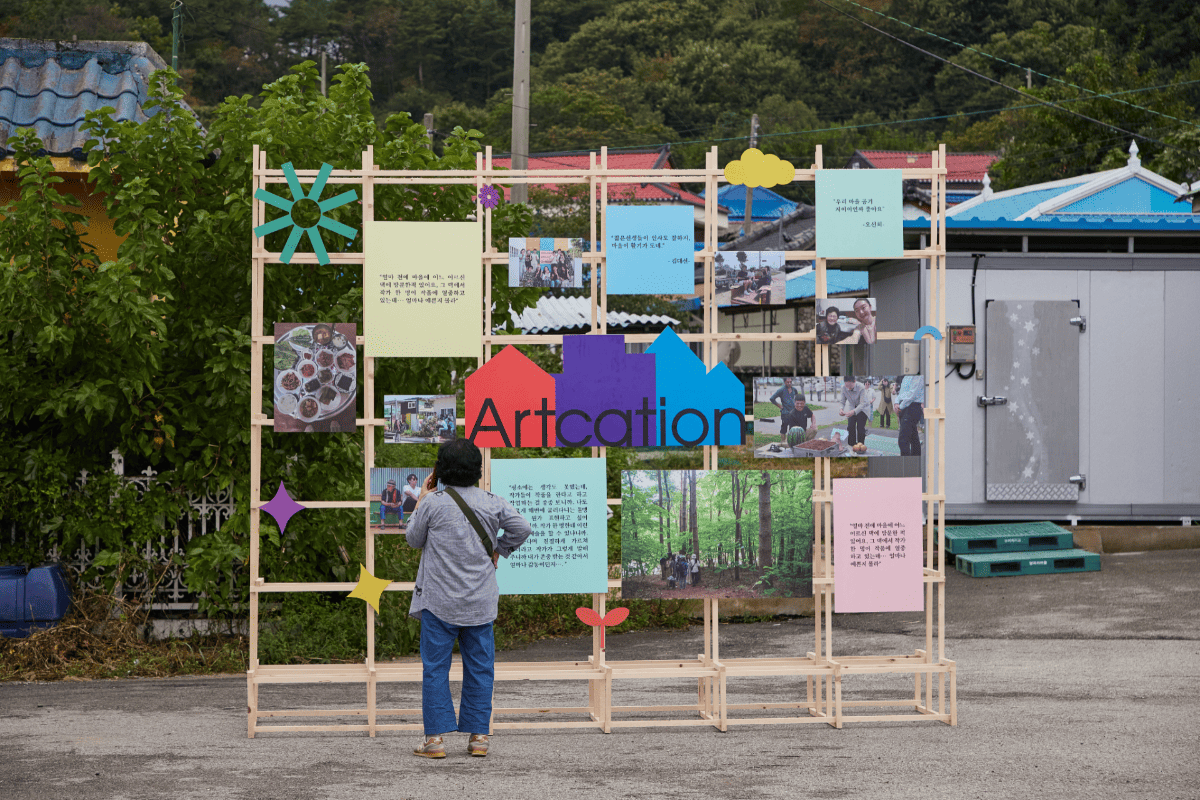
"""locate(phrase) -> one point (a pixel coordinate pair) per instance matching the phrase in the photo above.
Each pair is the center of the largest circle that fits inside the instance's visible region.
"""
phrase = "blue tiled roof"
(49, 86)
(837, 281)
(1014, 206)
(768, 205)
(1131, 198)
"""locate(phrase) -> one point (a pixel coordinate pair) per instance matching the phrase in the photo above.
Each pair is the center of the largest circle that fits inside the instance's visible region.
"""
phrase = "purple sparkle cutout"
(489, 196)
(282, 507)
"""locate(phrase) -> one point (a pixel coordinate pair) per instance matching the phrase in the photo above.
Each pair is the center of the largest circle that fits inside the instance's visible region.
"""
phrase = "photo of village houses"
(419, 418)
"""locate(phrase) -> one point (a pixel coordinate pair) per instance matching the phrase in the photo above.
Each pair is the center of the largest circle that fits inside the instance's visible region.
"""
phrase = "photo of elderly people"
(851, 415)
(535, 263)
(750, 278)
(846, 320)
(394, 495)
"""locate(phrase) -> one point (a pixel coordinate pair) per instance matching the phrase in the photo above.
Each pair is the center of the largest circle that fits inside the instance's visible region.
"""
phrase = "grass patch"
(768, 410)
(742, 457)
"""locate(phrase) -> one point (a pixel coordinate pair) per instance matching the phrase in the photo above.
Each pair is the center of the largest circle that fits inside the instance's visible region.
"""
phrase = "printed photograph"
(419, 418)
(750, 278)
(804, 417)
(316, 377)
(545, 263)
(716, 533)
(846, 320)
(394, 495)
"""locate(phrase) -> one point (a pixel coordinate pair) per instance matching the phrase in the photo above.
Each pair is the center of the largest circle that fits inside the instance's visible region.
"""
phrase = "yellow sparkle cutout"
(369, 587)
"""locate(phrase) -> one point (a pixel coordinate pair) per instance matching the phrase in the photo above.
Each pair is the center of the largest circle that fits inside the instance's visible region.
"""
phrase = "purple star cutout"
(282, 507)
(489, 196)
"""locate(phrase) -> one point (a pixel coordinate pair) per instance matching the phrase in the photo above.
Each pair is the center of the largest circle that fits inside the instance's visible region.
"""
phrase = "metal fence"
(206, 513)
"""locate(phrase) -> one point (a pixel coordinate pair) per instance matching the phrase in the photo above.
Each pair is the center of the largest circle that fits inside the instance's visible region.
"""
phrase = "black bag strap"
(471, 518)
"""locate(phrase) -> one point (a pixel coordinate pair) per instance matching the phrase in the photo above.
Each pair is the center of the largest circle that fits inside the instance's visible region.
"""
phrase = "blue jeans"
(478, 649)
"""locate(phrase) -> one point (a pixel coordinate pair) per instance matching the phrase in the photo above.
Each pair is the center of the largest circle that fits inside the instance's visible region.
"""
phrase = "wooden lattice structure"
(821, 667)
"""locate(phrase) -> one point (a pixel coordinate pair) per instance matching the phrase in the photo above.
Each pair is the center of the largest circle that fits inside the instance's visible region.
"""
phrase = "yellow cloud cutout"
(369, 587)
(755, 168)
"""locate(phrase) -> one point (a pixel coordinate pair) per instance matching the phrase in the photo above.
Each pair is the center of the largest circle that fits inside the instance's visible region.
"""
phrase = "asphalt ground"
(1069, 686)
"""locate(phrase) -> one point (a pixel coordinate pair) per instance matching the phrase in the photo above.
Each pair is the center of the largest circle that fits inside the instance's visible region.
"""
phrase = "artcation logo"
(605, 397)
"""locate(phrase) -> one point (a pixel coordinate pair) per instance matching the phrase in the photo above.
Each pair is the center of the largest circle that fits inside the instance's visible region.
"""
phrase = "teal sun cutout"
(289, 206)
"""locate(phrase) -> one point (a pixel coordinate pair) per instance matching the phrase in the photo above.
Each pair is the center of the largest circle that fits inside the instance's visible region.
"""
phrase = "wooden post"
(823, 672)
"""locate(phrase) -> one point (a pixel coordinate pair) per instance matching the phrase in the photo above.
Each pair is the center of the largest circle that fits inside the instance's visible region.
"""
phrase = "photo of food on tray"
(840, 416)
(316, 377)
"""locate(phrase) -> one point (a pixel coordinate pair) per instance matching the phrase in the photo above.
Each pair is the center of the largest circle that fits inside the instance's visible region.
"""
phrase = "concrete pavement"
(1070, 686)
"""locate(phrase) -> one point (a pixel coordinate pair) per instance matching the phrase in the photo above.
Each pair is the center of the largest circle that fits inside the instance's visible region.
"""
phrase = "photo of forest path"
(716, 533)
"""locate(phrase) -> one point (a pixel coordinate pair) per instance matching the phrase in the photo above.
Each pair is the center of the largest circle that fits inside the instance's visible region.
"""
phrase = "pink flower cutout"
(589, 617)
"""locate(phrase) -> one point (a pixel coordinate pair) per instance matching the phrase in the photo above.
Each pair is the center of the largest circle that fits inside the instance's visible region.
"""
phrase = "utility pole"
(747, 223)
(323, 71)
(428, 120)
(520, 99)
(176, 18)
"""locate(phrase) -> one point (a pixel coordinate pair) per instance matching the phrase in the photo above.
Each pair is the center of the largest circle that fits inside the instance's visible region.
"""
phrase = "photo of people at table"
(535, 263)
(750, 278)
(846, 320)
(850, 415)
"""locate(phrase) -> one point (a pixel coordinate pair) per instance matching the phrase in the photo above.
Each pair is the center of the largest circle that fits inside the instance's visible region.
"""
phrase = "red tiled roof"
(637, 159)
(960, 167)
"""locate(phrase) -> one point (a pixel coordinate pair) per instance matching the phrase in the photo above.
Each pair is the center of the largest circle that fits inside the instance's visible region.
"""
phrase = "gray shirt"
(456, 580)
(856, 400)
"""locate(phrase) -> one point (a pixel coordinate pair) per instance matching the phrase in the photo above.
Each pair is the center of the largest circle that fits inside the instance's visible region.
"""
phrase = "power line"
(969, 71)
(1005, 61)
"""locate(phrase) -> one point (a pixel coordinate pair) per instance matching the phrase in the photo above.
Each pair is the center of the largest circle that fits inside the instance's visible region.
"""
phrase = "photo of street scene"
(419, 418)
(716, 533)
(804, 417)
(750, 278)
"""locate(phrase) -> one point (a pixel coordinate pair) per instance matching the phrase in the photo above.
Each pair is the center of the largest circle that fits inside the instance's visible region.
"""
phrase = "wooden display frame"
(822, 670)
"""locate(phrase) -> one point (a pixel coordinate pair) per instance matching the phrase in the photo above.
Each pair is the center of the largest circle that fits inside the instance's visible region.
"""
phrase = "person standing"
(885, 406)
(785, 399)
(456, 595)
(695, 570)
(856, 404)
(910, 404)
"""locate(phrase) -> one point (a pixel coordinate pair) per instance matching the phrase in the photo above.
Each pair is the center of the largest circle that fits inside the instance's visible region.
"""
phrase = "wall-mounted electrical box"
(910, 358)
(962, 344)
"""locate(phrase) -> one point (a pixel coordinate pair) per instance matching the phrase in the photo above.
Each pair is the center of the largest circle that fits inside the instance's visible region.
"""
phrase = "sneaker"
(478, 744)
(433, 748)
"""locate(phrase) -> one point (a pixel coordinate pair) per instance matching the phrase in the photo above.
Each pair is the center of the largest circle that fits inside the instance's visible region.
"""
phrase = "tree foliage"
(150, 354)
(691, 73)
(757, 521)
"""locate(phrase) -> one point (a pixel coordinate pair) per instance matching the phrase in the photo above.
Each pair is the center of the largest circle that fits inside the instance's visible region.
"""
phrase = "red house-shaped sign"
(510, 403)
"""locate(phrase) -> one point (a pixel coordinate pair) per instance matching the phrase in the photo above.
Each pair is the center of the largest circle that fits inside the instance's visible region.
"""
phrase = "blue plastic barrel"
(32, 598)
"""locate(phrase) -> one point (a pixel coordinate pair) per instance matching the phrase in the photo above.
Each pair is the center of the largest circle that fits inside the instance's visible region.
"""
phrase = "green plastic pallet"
(1007, 538)
(1035, 562)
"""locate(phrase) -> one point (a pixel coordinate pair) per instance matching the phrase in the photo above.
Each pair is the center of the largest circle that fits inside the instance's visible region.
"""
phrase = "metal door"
(1031, 401)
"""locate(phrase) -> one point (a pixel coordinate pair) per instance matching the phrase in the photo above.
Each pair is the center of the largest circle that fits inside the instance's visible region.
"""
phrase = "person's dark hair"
(411, 477)
(459, 463)
(849, 379)
(834, 309)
